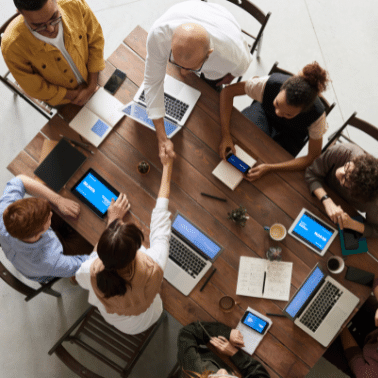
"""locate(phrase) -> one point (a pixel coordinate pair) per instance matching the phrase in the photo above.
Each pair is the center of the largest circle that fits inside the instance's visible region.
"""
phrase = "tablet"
(95, 192)
(313, 232)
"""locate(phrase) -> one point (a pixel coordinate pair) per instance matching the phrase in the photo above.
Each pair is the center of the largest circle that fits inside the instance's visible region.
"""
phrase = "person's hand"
(167, 161)
(222, 345)
(257, 172)
(226, 80)
(119, 208)
(333, 211)
(376, 318)
(166, 151)
(226, 144)
(345, 221)
(68, 207)
(84, 95)
(236, 338)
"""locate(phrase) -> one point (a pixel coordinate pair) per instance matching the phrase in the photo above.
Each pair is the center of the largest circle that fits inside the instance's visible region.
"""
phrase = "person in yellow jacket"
(54, 50)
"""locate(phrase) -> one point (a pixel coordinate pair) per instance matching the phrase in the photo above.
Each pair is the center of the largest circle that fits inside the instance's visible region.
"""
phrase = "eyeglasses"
(187, 69)
(49, 23)
(347, 172)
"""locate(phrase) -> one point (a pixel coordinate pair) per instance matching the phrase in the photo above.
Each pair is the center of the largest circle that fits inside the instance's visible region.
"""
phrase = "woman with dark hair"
(287, 108)
(122, 276)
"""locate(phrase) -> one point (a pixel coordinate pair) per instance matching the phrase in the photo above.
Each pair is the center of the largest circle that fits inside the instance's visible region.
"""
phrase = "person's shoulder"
(14, 34)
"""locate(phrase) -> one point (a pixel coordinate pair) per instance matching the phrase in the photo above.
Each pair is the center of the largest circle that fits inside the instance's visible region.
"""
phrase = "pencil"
(210, 196)
(208, 279)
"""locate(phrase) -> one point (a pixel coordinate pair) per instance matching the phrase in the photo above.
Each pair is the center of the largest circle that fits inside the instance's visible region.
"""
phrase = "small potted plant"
(143, 167)
(239, 216)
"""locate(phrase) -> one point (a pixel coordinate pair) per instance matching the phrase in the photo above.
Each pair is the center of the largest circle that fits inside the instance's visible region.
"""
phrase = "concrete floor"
(339, 34)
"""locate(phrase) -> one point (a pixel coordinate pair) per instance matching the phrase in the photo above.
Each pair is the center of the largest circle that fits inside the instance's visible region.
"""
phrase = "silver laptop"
(179, 100)
(321, 306)
(191, 254)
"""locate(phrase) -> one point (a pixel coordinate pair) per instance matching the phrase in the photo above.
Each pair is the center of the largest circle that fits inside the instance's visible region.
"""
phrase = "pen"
(210, 196)
(280, 315)
(264, 282)
(76, 143)
(208, 279)
(207, 333)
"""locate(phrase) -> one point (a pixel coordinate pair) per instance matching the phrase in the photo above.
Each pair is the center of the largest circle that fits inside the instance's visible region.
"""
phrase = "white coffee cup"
(277, 232)
(335, 264)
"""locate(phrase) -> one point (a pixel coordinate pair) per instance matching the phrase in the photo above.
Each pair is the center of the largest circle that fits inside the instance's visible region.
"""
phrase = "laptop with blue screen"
(321, 306)
(191, 254)
(179, 101)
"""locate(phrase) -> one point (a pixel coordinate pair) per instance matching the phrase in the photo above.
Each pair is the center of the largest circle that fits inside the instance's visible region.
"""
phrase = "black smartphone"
(351, 238)
(360, 276)
(237, 163)
(115, 81)
(255, 322)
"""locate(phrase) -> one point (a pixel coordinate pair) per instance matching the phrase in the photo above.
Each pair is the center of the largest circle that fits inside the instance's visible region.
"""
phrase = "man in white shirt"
(197, 37)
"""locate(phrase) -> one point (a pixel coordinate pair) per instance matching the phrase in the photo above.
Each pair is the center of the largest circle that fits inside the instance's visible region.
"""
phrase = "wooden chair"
(40, 106)
(24, 289)
(327, 106)
(103, 337)
(356, 123)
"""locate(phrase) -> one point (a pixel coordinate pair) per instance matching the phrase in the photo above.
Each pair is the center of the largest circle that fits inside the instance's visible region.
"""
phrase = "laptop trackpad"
(336, 318)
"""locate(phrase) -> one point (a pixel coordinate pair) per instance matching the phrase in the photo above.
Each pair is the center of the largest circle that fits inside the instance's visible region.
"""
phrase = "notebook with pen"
(352, 242)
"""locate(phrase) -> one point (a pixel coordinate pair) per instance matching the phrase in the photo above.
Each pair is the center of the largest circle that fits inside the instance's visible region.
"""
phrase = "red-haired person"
(28, 241)
(287, 108)
(122, 276)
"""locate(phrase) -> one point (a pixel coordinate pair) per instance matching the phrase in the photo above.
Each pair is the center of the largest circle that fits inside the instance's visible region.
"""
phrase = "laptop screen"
(195, 236)
(305, 292)
(311, 230)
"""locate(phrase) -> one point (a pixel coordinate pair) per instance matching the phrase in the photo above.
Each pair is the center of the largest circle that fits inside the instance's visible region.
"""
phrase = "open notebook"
(97, 118)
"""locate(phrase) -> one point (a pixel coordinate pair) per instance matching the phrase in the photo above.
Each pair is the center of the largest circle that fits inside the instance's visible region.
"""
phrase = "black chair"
(355, 122)
(99, 338)
(42, 107)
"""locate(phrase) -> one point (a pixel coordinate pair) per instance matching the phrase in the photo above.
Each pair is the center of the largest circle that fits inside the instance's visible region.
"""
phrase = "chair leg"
(258, 50)
(175, 370)
(52, 292)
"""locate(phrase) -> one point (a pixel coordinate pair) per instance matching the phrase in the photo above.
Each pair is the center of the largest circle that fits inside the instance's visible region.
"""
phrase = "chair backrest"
(357, 123)
(104, 342)
(327, 106)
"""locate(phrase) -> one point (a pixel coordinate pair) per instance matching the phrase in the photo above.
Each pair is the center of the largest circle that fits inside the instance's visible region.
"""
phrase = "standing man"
(54, 50)
(196, 37)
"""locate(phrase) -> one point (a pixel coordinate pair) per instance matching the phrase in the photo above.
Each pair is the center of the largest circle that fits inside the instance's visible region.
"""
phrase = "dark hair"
(302, 89)
(26, 217)
(117, 249)
(363, 180)
(29, 5)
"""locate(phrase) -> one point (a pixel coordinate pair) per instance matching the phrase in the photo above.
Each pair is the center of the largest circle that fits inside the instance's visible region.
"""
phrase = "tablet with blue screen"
(95, 192)
(313, 232)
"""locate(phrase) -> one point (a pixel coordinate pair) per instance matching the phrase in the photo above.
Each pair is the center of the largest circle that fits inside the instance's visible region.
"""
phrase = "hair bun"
(316, 76)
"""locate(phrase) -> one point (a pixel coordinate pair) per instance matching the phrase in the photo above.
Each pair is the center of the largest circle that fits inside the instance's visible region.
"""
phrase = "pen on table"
(210, 196)
(264, 282)
(280, 315)
(76, 143)
(208, 279)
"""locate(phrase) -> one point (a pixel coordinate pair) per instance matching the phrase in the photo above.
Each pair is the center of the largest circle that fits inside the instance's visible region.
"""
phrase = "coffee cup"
(226, 303)
(277, 232)
(335, 264)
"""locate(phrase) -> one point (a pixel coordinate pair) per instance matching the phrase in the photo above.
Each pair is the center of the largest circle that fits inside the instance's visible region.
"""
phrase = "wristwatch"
(324, 198)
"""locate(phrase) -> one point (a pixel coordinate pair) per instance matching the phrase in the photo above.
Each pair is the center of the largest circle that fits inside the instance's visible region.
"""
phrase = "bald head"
(190, 45)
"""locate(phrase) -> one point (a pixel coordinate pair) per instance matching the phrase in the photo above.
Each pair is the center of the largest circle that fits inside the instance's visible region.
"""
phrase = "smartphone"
(115, 81)
(254, 322)
(237, 163)
(351, 239)
(360, 276)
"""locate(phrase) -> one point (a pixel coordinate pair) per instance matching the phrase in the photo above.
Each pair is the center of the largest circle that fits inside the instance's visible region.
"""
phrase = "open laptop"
(321, 306)
(179, 100)
(191, 254)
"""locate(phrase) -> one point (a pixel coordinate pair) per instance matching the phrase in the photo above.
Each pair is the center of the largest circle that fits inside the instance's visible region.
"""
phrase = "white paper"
(251, 276)
(278, 280)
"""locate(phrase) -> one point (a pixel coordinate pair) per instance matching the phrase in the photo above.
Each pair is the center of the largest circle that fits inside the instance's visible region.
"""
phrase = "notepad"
(252, 273)
(97, 118)
(228, 174)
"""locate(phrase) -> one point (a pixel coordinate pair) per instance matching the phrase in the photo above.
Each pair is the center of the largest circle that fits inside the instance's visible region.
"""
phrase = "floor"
(339, 34)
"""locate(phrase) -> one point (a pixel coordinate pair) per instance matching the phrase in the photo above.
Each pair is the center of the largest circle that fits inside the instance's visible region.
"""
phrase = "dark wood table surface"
(286, 350)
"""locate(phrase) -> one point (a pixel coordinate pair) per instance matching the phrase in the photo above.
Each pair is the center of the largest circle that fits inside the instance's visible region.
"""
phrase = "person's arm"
(82, 275)
(66, 266)
(226, 104)
(86, 92)
(117, 209)
(298, 164)
(66, 206)
(165, 145)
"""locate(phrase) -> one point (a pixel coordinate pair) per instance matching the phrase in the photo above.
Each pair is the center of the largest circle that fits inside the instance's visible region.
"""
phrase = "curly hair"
(303, 89)
(363, 180)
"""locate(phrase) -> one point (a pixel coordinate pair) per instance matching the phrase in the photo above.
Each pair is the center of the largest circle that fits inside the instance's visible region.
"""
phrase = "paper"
(251, 278)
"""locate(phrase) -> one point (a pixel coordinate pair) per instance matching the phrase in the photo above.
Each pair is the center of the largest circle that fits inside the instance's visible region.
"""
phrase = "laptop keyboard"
(141, 113)
(174, 108)
(321, 306)
(185, 258)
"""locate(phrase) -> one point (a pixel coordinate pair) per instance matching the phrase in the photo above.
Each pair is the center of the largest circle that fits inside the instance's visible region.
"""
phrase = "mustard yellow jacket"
(40, 68)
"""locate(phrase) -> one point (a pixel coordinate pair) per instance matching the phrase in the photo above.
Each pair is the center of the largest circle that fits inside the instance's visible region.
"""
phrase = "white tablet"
(313, 232)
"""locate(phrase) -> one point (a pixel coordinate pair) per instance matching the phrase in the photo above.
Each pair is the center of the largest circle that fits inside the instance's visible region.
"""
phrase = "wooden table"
(286, 350)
